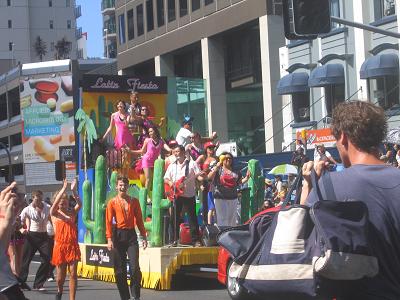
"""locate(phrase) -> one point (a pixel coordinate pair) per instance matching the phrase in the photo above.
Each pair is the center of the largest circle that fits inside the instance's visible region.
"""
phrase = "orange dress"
(66, 247)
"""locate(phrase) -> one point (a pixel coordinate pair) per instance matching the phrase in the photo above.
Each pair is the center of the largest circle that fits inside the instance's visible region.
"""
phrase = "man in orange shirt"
(122, 239)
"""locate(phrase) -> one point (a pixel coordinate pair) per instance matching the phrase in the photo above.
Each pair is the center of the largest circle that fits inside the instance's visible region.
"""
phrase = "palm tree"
(40, 47)
(88, 131)
(63, 48)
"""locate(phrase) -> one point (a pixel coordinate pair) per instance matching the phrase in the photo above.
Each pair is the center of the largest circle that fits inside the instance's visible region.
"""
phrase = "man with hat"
(184, 134)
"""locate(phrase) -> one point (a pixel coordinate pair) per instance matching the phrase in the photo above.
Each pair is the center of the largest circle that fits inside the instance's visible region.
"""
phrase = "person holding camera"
(10, 203)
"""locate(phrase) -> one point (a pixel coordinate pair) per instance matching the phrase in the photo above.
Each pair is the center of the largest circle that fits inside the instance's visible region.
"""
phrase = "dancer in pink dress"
(122, 136)
(151, 150)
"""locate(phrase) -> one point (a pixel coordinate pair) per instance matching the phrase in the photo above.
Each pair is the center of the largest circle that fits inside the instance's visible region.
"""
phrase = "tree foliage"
(40, 47)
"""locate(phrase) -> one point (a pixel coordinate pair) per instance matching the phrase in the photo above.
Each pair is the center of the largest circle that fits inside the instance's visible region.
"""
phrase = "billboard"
(318, 136)
(47, 110)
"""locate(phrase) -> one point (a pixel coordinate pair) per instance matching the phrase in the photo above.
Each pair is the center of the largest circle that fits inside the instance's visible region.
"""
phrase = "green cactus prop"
(158, 205)
(97, 225)
(245, 206)
(256, 184)
(103, 120)
(93, 117)
(113, 186)
(110, 107)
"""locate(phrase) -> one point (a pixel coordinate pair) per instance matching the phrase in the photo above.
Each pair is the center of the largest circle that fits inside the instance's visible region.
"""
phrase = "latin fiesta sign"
(108, 83)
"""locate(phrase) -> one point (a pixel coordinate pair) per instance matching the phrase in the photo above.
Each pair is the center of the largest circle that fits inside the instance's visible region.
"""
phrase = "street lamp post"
(10, 173)
(106, 31)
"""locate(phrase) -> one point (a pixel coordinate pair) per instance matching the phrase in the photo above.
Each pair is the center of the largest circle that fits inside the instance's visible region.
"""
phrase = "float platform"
(158, 264)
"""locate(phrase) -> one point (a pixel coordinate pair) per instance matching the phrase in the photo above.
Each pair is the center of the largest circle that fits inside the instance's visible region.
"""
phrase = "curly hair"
(364, 123)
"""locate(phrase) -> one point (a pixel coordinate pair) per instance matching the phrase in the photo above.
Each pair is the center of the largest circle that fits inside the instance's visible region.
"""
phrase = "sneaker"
(50, 279)
(40, 289)
(24, 286)
(197, 244)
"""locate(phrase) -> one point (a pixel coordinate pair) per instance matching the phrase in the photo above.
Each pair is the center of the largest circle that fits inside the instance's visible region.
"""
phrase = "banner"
(318, 136)
(47, 117)
(110, 83)
(99, 256)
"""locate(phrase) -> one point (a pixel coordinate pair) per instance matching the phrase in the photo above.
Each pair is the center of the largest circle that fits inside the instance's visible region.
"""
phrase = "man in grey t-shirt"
(359, 128)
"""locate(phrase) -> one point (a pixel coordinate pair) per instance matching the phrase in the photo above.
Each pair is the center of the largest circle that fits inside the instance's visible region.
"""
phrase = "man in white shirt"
(181, 177)
(35, 216)
(184, 134)
(320, 153)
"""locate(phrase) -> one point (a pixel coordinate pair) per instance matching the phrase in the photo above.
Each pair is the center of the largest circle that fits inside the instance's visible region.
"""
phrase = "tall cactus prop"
(97, 225)
(158, 204)
(245, 206)
(103, 120)
(256, 184)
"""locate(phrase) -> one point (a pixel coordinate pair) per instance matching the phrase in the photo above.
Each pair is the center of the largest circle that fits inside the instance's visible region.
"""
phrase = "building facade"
(233, 45)
(109, 28)
(346, 64)
(39, 30)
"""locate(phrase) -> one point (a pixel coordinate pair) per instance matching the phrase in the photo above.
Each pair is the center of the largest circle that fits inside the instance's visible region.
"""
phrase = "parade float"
(97, 178)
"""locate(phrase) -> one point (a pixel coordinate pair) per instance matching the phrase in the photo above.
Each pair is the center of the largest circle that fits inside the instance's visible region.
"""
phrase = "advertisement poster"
(47, 118)
(318, 136)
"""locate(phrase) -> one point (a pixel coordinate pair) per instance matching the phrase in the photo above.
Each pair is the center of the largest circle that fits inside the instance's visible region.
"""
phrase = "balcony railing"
(106, 4)
(78, 33)
(78, 11)
(111, 28)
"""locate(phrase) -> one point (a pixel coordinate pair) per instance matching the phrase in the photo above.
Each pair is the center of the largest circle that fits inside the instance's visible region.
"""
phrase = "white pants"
(226, 211)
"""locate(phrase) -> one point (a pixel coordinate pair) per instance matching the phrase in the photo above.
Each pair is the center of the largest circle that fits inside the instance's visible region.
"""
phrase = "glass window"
(207, 2)
(10, 46)
(8, 2)
(52, 46)
(121, 22)
(171, 10)
(131, 25)
(68, 24)
(18, 169)
(335, 12)
(384, 91)
(195, 5)
(149, 15)
(50, 3)
(4, 140)
(15, 139)
(383, 8)
(3, 105)
(183, 8)
(67, 3)
(160, 13)
(13, 99)
(334, 94)
(139, 19)
(9, 23)
(301, 107)
(51, 24)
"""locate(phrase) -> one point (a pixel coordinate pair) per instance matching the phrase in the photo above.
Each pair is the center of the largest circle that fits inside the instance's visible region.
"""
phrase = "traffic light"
(305, 19)
(60, 170)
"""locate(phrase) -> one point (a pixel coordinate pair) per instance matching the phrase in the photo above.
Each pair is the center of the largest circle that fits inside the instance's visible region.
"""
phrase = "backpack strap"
(315, 186)
(328, 185)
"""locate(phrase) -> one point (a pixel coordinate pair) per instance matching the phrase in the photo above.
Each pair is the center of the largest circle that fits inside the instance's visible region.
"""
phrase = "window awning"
(329, 74)
(380, 65)
(293, 83)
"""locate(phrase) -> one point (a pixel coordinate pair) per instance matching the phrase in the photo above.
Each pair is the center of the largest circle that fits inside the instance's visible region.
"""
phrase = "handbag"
(304, 252)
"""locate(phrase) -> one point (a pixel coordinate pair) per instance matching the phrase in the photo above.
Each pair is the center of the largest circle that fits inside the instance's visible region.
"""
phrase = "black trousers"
(204, 202)
(14, 293)
(36, 241)
(125, 242)
(189, 205)
(51, 246)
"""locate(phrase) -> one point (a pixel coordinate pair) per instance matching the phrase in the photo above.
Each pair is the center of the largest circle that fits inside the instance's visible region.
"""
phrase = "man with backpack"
(359, 128)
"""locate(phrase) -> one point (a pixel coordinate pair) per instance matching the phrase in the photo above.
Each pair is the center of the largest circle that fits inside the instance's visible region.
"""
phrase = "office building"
(230, 46)
(346, 64)
(39, 30)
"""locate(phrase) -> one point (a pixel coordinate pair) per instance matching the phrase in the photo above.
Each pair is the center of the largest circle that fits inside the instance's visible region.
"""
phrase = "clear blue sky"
(91, 22)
